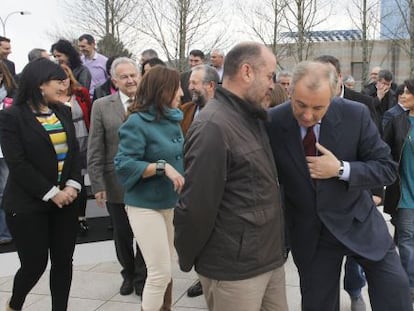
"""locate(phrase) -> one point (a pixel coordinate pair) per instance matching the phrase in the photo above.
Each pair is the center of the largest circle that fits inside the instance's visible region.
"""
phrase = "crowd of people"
(228, 164)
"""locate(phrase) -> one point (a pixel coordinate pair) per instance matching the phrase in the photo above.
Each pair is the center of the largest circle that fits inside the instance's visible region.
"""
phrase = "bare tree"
(177, 25)
(110, 46)
(364, 17)
(266, 22)
(302, 17)
(105, 17)
(397, 24)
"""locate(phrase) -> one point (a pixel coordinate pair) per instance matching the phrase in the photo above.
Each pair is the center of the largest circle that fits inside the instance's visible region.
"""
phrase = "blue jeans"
(354, 279)
(4, 172)
(405, 230)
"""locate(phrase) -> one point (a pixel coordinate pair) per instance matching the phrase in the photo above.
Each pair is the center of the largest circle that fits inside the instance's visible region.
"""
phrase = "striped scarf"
(57, 135)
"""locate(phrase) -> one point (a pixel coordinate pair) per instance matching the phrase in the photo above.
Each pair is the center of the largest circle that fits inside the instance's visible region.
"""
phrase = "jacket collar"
(31, 121)
(329, 134)
(249, 109)
(117, 105)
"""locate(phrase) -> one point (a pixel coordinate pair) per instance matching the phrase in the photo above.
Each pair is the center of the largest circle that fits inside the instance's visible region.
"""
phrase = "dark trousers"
(133, 266)
(36, 235)
(82, 200)
(387, 282)
(354, 279)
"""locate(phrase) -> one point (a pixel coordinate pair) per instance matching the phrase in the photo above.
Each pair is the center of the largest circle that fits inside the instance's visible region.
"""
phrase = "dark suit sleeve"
(385, 120)
(388, 135)
(194, 218)
(374, 115)
(96, 148)
(379, 192)
(375, 167)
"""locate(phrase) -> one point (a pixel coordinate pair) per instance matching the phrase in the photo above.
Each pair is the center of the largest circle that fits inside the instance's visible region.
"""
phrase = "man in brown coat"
(202, 86)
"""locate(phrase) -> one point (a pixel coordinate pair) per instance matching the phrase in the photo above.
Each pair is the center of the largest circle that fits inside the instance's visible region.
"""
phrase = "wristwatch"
(160, 167)
(341, 169)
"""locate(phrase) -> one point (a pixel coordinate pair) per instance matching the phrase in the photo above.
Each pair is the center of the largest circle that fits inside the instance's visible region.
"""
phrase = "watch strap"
(341, 169)
(160, 167)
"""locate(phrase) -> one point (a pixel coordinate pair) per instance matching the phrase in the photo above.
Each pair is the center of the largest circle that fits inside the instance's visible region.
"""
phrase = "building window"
(356, 70)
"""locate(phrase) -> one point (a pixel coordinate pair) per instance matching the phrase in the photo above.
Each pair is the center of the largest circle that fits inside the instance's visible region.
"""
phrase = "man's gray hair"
(210, 74)
(149, 53)
(35, 54)
(122, 60)
(283, 73)
(219, 52)
(319, 71)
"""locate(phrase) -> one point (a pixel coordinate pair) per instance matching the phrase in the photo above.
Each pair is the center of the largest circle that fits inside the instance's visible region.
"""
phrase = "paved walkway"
(96, 282)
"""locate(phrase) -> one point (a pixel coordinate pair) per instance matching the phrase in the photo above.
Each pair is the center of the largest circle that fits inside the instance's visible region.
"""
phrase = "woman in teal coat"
(149, 164)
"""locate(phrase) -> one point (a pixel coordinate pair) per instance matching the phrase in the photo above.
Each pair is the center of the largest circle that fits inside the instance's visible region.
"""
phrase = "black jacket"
(364, 99)
(229, 219)
(395, 133)
(386, 103)
(102, 90)
(31, 158)
(370, 89)
(83, 76)
(390, 114)
(10, 66)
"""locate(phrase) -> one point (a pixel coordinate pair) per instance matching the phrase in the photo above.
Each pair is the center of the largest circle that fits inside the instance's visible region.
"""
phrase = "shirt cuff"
(74, 184)
(347, 171)
(51, 193)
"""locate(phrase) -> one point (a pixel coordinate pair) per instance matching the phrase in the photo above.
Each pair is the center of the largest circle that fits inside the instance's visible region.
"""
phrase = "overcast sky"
(30, 31)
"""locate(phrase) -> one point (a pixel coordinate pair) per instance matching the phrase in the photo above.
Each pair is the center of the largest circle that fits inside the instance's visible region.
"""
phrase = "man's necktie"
(309, 142)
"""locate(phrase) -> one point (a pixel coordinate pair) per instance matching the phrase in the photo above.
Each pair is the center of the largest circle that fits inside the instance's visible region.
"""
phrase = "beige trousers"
(154, 232)
(265, 292)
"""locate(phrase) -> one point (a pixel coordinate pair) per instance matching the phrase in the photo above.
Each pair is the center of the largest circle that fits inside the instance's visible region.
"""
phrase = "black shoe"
(195, 290)
(126, 288)
(83, 227)
(138, 290)
(4, 241)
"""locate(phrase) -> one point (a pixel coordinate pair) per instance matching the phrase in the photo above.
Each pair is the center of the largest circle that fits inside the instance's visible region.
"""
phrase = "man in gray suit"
(108, 113)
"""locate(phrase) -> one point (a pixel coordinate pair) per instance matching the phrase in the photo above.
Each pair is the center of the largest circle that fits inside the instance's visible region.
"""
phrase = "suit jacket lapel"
(330, 131)
(119, 107)
(35, 125)
(293, 141)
